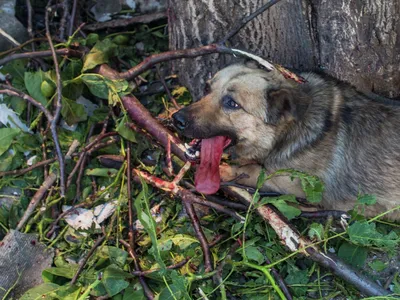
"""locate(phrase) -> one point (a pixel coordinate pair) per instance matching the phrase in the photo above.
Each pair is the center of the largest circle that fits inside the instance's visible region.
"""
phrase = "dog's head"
(246, 104)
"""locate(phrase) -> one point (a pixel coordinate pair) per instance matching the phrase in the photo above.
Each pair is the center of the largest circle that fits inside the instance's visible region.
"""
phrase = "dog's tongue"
(207, 179)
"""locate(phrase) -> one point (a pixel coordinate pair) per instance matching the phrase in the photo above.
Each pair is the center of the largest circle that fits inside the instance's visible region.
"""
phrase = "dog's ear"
(285, 104)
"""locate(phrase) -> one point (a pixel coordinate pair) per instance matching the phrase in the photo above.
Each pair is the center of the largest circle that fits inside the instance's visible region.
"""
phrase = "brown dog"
(322, 127)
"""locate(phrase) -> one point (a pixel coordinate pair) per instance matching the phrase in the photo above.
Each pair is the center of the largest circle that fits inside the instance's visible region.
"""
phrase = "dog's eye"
(228, 102)
(207, 89)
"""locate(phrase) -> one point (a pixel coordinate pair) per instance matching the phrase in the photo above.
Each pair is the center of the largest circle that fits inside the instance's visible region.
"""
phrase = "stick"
(57, 113)
(247, 19)
(49, 181)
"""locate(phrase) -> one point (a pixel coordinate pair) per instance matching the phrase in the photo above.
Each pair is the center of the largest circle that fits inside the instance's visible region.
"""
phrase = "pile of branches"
(64, 165)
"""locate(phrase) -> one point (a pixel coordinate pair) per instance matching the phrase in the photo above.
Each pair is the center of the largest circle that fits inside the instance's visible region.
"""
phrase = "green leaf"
(183, 240)
(116, 255)
(92, 39)
(145, 217)
(287, 210)
(252, 253)
(378, 265)
(67, 272)
(114, 280)
(40, 292)
(67, 292)
(316, 232)
(72, 112)
(311, 185)
(365, 234)
(353, 254)
(100, 54)
(102, 172)
(6, 138)
(178, 288)
(366, 199)
(33, 82)
(96, 84)
(72, 70)
(297, 277)
(125, 131)
(261, 179)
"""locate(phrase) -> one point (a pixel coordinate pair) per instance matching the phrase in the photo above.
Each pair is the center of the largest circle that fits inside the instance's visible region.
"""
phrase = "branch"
(247, 19)
(49, 181)
(57, 113)
(146, 290)
(72, 20)
(150, 61)
(83, 262)
(10, 91)
(63, 21)
(45, 53)
(20, 172)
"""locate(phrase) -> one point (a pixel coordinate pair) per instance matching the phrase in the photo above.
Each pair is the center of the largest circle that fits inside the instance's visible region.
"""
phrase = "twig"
(147, 292)
(208, 266)
(125, 22)
(247, 19)
(227, 203)
(63, 21)
(30, 28)
(72, 20)
(45, 53)
(44, 151)
(150, 61)
(9, 37)
(168, 159)
(278, 278)
(84, 261)
(323, 214)
(48, 182)
(57, 113)
(87, 150)
(26, 170)
(22, 46)
(171, 267)
(170, 97)
(10, 91)
(129, 194)
(79, 178)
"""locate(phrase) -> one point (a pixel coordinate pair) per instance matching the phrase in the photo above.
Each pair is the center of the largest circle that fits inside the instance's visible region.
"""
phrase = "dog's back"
(351, 141)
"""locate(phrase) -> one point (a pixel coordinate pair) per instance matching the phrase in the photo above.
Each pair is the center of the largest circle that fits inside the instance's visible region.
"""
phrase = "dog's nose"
(179, 120)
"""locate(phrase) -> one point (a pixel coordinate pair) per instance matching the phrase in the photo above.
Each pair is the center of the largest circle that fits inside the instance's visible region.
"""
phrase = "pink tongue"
(207, 179)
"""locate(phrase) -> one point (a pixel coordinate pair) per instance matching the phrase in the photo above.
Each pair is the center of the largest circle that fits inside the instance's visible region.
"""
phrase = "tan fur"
(322, 127)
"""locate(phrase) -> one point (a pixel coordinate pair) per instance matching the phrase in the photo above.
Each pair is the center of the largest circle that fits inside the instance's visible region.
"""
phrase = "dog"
(322, 127)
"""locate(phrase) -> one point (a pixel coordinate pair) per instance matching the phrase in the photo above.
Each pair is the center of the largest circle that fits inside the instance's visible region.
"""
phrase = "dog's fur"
(322, 127)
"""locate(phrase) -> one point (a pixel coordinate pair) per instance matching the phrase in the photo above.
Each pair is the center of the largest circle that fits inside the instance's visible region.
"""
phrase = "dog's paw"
(227, 172)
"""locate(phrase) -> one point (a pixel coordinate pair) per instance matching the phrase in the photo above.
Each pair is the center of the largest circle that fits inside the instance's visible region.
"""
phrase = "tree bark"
(357, 41)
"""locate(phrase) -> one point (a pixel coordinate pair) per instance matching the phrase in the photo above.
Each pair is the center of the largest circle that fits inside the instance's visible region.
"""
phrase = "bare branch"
(49, 181)
(45, 53)
(247, 19)
(56, 116)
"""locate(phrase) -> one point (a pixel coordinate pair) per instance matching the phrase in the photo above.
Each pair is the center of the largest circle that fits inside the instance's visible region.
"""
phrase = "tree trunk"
(357, 41)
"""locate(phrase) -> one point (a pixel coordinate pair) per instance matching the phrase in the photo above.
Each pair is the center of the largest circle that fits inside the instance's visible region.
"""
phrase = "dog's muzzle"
(180, 121)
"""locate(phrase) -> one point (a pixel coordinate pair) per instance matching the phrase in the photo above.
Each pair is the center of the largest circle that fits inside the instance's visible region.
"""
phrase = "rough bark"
(357, 41)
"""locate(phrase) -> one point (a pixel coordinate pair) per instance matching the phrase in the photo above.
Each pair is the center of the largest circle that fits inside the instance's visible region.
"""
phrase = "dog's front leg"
(248, 174)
